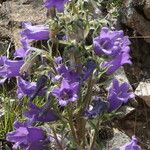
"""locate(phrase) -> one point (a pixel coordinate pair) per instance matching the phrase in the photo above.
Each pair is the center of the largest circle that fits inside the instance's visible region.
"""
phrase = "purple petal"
(58, 4)
(25, 87)
(37, 32)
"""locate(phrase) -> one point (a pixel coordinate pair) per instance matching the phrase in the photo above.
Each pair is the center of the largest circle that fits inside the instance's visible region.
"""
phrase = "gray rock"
(143, 91)
(118, 140)
(147, 9)
(132, 18)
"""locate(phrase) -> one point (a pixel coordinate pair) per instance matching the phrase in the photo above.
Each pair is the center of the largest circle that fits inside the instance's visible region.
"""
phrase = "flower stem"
(57, 141)
(70, 117)
(94, 137)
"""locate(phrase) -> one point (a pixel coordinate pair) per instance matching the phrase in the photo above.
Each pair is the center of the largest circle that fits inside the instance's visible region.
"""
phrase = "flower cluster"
(61, 96)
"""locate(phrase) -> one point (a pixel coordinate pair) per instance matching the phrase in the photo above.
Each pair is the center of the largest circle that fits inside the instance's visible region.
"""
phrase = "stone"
(135, 20)
(119, 139)
(147, 9)
(143, 91)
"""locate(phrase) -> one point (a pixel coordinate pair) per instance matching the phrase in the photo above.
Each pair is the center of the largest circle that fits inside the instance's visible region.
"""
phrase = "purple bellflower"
(31, 89)
(110, 42)
(66, 93)
(131, 145)
(43, 114)
(25, 87)
(9, 68)
(27, 137)
(58, 4)
(118, 95)
(117, 62)
(68, 74)
(115, 46)
(36, 32)
(22, 51)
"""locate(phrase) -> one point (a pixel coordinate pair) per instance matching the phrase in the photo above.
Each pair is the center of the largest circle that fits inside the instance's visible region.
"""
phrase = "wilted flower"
(27, 137)
(40, 84)
(58, 4)
(118, 95)
(88, 69)
(110, 42)
(97, 108)
(9, 68)
(36, 32)
(131, 145)
(43, 114)
(66, 93)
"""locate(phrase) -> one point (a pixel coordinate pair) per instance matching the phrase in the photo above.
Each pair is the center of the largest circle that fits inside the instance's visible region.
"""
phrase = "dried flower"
(97, 108)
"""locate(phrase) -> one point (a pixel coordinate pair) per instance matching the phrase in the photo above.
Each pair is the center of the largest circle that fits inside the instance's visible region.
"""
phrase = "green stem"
(94, 137)
(71, 124)
(57, 141)
(88, 96)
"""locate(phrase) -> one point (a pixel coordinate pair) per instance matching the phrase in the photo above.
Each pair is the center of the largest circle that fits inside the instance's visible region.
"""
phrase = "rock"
(118, 140)
(124, 111)
(147, 9)
(121, 76)
(135, 20)
(143, 91)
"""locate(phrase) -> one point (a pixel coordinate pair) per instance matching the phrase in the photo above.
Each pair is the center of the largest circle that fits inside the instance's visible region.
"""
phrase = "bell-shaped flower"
(9, 68)
(25, 87)
(27, 137)
(66, 93)
(42, 114)
(22, 51)
(118, 94)
(117, 62)
(114, 46)
(133, 145)
(36, 32)
(68, 74)
(110, 42)
(31, 89)
(58, 4)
